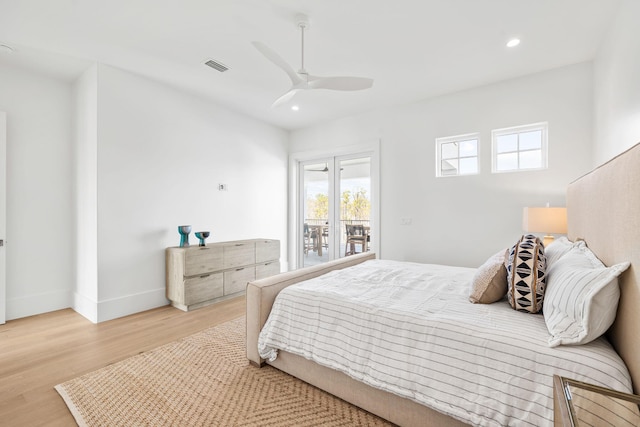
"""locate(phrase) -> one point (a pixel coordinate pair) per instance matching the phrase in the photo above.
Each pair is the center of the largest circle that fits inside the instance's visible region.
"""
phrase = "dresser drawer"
(236, 280)
(239, 254)
(206, 287)
(267, 250)
(267, 269)
(202, 260)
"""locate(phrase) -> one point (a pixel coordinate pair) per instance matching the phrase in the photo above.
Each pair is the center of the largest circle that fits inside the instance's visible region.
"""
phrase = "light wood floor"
(38, 352)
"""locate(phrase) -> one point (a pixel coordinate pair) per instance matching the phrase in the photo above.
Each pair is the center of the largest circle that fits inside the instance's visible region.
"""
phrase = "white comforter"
(409, 329)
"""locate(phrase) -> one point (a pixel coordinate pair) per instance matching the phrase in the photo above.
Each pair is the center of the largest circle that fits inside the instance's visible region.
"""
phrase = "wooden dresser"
(201, 275)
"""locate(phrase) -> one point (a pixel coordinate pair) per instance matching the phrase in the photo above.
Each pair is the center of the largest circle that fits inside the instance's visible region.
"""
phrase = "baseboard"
(101, 311)
(31, 305)
(87, 307)
(130, 304)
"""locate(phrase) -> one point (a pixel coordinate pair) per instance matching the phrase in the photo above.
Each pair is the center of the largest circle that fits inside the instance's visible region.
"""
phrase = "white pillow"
(582, 296)
(556, 249)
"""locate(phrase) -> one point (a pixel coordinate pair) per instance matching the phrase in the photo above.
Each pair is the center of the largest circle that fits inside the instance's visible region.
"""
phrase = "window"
(457, 155)
(520, 148)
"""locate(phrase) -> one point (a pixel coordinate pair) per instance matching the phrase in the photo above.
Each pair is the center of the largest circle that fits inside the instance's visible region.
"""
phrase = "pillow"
(489, 283)
(526, 274)
(582, 297)
(554, 250)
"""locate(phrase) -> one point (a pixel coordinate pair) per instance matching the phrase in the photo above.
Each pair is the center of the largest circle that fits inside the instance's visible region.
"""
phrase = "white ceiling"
(413, 49)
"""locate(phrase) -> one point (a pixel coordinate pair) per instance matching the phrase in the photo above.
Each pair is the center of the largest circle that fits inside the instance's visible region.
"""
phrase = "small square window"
(520, 148)
(457, 155)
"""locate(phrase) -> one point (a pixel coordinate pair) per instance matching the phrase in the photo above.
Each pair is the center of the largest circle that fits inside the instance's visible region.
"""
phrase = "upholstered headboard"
(603, 208)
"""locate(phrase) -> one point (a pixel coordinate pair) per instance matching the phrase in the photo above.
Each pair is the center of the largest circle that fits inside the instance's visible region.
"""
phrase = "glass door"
(316, 177)
(334, 208)
(354, 205)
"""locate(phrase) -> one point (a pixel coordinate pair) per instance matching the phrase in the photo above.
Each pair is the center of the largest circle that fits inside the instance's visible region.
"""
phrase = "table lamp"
(545, 220)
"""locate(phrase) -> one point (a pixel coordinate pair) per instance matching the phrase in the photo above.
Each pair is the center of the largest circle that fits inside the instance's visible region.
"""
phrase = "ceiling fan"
(325, 169)
(302, 80)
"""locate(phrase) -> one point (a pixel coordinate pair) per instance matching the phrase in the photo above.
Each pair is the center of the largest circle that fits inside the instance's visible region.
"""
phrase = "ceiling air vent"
(216, 65)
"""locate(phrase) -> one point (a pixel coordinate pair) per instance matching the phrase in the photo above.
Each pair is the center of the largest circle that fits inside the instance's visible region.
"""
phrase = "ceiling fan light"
(513, 42)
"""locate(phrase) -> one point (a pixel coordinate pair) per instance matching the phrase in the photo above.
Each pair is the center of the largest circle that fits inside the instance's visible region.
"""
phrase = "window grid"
(522, 149)
(457, 155)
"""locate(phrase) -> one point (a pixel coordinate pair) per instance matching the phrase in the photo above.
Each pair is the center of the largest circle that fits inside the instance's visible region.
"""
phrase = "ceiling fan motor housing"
(302, 21)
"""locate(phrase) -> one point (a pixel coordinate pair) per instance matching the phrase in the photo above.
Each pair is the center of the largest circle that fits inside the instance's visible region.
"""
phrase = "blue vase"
(202, 236)
(184, 231)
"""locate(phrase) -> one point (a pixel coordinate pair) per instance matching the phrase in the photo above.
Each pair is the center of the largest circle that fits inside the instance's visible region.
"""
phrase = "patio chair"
(309, 239)
(355, 236)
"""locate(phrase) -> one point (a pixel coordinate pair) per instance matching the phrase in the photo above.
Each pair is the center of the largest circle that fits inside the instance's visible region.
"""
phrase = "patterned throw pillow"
(526, 274)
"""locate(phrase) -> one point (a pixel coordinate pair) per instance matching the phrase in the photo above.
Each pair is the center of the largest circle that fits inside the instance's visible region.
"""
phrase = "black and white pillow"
(526, 274)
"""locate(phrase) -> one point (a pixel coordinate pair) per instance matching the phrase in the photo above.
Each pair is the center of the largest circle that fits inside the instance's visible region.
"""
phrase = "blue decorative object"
(184, 231)
(202, 235)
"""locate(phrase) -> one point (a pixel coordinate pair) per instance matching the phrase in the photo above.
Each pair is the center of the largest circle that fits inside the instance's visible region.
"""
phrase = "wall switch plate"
(406, 221)
(222, 187)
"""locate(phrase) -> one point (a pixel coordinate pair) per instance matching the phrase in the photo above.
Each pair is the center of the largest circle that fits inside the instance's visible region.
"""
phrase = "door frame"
(3, 216)
(372, 149)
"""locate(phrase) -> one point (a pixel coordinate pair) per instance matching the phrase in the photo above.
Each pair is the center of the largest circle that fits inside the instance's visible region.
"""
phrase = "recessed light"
(5, 49)
(295, 107)
(513, 42)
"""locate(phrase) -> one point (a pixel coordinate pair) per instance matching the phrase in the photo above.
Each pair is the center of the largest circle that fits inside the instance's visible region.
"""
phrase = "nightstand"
(580, 404)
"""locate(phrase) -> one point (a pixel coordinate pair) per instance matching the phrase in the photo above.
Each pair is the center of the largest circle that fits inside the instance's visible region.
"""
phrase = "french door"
(335, 194)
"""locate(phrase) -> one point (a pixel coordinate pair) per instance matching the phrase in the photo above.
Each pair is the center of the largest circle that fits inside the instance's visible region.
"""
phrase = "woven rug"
(203, 380)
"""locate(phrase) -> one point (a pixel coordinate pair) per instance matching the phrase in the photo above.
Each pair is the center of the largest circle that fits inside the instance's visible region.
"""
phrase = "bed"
(608, 195)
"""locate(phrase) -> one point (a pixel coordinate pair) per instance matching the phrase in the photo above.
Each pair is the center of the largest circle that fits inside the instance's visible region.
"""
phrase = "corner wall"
(101, 172)
(85, 174)
(617, 86)
(161, 155)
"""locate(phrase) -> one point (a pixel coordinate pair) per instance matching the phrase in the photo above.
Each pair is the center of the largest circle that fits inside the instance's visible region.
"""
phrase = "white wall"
(161, 155)
(463, 220)
(102, 171)
(39, 215)
(85, 194)
(617, 85)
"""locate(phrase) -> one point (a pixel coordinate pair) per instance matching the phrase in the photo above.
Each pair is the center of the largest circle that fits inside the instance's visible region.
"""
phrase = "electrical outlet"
(405, 221)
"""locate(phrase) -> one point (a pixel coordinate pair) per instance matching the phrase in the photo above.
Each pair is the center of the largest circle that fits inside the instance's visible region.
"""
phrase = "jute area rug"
(203, 380)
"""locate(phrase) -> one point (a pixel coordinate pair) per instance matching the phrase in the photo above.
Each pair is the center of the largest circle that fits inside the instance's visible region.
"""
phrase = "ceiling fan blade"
(340, 83)
(285, 98)
(277, 60)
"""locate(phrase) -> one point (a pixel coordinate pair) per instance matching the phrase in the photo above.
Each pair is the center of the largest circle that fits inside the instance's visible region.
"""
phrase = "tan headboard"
(603, 208)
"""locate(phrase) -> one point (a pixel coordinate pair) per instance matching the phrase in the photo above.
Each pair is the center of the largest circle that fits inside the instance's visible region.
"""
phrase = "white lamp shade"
(545, 220)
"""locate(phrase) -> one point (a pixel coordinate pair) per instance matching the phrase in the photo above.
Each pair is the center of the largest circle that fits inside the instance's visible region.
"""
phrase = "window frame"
(517, 130)
(457, 138)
